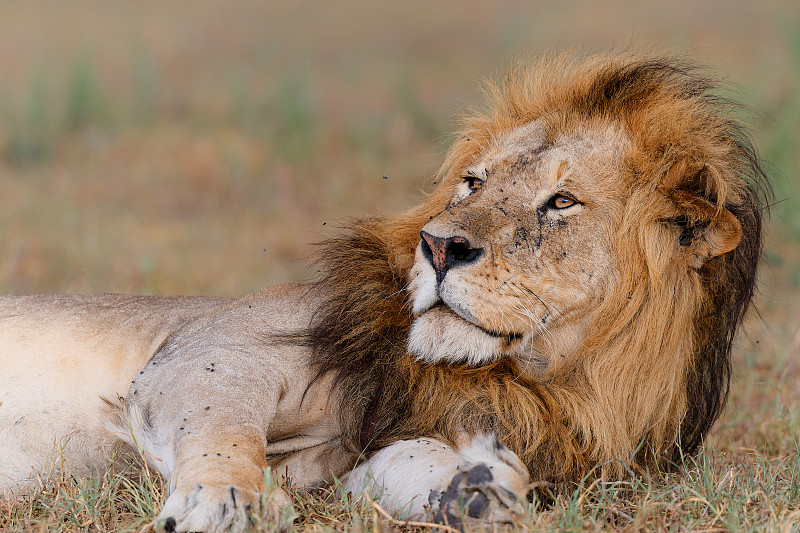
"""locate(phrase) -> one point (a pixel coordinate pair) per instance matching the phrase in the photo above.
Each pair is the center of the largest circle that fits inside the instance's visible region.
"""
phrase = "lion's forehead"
(594, 151)
(524, 140)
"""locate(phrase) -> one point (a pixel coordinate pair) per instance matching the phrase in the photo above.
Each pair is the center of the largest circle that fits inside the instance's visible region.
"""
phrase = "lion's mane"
(654, 371)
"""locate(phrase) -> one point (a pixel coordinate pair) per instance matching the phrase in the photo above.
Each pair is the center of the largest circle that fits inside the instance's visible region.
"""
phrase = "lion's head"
(573, 283)
(522, 255)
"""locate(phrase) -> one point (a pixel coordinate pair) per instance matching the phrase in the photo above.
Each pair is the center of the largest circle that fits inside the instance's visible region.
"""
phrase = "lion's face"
(513, 265)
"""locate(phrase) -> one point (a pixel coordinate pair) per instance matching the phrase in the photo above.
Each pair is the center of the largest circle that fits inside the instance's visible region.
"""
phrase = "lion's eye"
(560, 201)
(473, 183)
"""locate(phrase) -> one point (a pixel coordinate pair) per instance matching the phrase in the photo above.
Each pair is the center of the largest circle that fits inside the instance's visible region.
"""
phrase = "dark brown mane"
(359, 333)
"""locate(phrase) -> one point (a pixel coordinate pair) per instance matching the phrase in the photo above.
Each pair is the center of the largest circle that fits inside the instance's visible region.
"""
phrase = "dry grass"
(147, 147)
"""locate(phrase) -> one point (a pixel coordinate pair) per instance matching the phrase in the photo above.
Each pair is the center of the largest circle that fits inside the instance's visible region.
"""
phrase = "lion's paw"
(490, 487)
(474, 494)
(218, 508)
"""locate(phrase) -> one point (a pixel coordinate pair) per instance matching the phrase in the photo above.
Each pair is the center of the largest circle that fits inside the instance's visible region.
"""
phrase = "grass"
(148, 149)
(716, 491)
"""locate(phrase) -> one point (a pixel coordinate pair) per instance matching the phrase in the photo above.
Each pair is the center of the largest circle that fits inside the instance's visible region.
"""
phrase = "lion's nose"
(444, 253)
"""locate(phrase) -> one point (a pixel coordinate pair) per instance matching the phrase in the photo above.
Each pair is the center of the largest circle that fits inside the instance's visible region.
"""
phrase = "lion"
(563, 304)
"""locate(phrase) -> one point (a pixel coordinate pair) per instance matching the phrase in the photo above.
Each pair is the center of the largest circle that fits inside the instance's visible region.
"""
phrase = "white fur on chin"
(439, 335)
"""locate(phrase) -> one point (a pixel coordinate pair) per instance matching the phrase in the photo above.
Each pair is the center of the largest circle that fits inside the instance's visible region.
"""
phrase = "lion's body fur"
(65, 360)
(654, 369)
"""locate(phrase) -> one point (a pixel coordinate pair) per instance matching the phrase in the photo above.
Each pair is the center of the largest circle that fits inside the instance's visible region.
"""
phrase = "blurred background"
(197, 147)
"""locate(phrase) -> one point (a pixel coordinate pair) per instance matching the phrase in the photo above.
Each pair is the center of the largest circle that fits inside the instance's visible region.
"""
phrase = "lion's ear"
(705, 230)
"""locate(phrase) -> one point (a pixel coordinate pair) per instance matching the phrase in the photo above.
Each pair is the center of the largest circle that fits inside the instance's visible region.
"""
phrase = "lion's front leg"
(215, 472)
(208, 440)
(426, 478)
(218, 483)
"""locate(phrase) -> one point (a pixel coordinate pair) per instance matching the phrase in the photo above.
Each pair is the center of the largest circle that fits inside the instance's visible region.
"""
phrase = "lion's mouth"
(442, 335)
(508, 337)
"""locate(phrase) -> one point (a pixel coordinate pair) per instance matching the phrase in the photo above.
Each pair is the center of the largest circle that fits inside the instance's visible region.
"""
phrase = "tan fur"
(213, 394)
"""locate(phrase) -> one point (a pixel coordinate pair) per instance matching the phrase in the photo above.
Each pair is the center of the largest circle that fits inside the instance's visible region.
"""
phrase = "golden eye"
(473, 183)
(560, 201)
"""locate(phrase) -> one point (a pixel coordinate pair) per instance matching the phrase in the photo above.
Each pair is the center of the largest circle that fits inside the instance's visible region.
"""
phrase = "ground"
(159, 148)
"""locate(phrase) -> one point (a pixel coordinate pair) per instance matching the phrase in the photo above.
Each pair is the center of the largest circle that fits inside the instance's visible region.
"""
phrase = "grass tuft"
(84, 103)
(31, 127)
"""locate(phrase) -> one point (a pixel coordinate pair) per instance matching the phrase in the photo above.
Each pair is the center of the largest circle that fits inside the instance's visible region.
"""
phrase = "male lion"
(570, 289)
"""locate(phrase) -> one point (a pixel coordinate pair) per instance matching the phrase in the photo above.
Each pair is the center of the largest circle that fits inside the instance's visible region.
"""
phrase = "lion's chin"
(441, 336)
